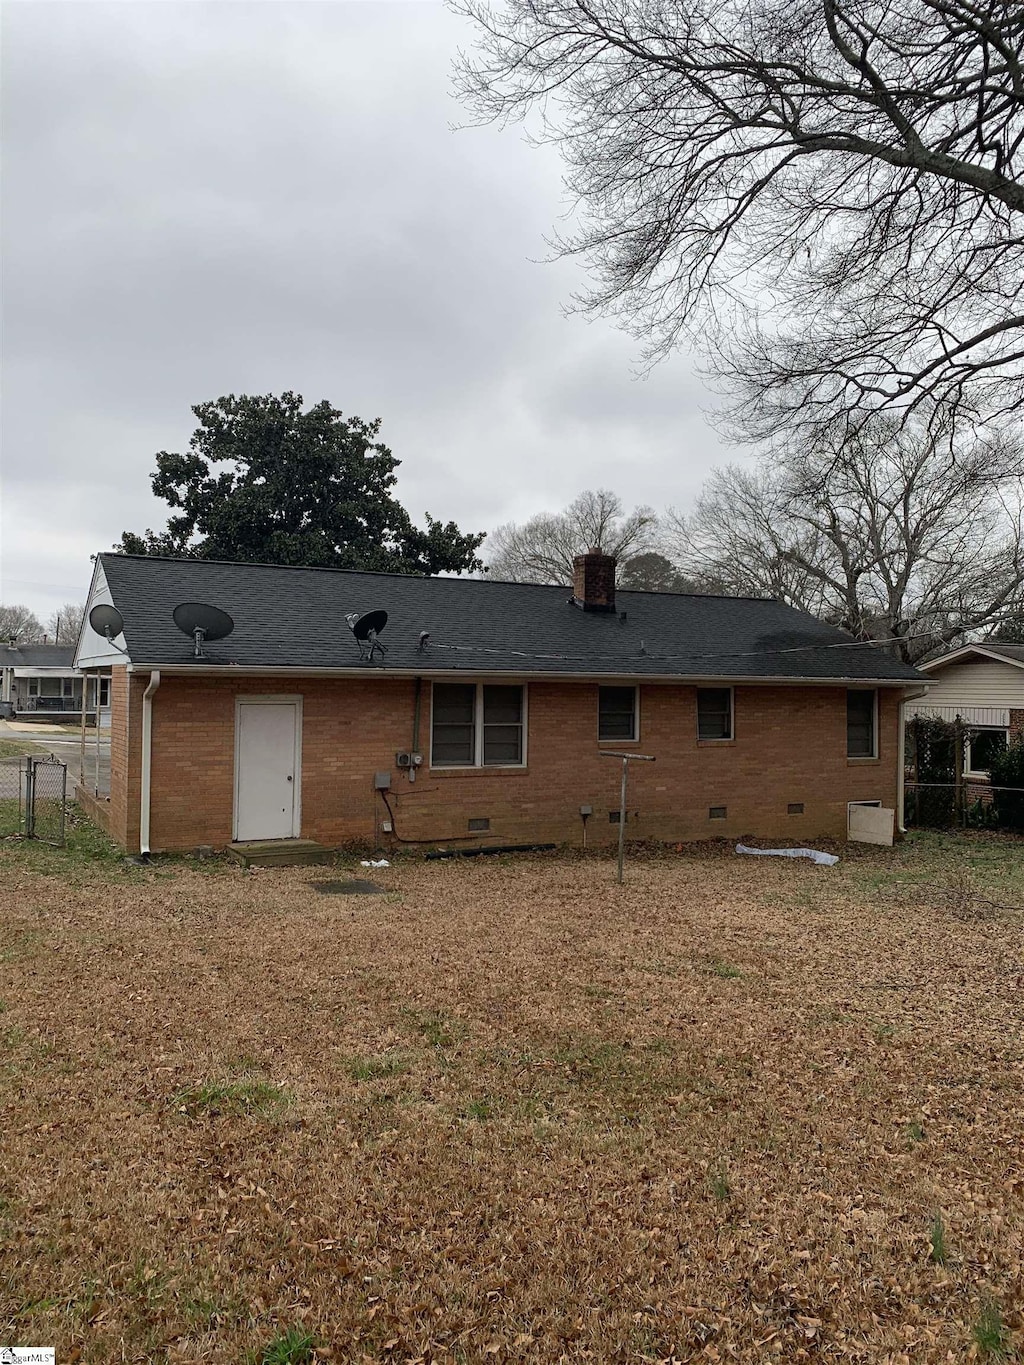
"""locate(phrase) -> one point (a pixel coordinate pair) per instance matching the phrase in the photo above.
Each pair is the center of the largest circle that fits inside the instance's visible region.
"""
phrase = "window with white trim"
(617, 713)
(477, 725)
(714, 713)
(983, 745)
(861, 723)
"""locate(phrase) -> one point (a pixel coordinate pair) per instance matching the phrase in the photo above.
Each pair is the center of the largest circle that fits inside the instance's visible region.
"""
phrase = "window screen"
(714, 713)
(860, 724)
(454, 724)
(982, 747)
(616, 713)
(503, 725)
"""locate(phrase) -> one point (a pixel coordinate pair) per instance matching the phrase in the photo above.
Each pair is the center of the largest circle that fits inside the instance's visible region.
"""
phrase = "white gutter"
(901, 756)
(147, 760)
(522, 674)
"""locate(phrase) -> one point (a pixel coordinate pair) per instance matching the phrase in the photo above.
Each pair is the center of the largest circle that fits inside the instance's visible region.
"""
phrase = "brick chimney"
(593, 581)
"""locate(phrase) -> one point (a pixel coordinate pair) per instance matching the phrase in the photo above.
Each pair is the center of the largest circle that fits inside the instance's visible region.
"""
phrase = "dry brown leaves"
(511, 1112)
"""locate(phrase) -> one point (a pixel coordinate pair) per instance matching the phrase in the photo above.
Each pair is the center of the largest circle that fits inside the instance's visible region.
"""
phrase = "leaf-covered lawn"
(739, 1109)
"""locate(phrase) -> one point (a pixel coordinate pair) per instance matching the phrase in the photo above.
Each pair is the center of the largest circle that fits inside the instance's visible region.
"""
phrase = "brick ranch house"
(487, 716)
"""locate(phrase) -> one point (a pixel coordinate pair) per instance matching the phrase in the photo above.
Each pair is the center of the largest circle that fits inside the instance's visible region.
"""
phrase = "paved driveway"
(65, 743)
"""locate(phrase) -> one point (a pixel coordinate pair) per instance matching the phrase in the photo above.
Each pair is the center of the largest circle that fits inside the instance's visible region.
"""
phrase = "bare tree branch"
(826, 194)
(905, 533)
(19, 625)
(542, 549)
(63, 626)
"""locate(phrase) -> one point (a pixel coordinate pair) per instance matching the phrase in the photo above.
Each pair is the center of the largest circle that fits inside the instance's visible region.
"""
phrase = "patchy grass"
(516, 1113)
(723, 969)
(254, 1097)
(292, 1347)
(991, 1335)
(937, 1240)
(377, 1068)
(16, 747)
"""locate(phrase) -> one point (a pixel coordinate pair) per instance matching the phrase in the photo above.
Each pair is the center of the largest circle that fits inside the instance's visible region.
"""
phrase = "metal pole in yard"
(626, 760)
(96, 770)
(30, 798)
(81, 752)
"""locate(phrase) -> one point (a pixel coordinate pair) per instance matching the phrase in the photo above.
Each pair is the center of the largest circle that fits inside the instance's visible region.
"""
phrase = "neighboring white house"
(983, 684)
(40, 682)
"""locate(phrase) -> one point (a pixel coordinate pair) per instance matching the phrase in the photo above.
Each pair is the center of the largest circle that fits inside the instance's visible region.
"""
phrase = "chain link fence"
(33, 798)
(967, 805)
(11, 792)
(940, 789)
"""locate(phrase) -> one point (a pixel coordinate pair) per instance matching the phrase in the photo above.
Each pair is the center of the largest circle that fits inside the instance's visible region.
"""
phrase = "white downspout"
(147, 760)
(901, 757)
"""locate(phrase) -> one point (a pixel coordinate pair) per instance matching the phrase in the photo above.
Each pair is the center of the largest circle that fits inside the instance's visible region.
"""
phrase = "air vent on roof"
(367, 629)
(203, 623)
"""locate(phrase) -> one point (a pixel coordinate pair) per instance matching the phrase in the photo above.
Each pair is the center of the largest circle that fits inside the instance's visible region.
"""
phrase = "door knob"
(289, 777)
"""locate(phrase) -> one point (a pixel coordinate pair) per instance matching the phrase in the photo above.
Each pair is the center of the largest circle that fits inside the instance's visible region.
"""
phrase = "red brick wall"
(1016, 725)
(123, 817)
(790, 746)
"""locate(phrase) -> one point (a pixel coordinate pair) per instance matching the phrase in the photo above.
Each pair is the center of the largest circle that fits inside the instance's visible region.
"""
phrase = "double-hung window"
(982, 747)
(617, 713)
(714, 713)
(477, 725)
(861, 714)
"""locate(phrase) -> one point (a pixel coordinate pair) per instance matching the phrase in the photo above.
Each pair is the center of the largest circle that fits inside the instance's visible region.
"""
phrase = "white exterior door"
(267, 749)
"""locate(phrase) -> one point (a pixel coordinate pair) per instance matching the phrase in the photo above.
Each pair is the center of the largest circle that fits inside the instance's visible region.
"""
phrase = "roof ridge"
(436, 578)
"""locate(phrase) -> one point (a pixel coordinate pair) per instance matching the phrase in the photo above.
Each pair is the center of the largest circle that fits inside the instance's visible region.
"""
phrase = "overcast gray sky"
(206, 198)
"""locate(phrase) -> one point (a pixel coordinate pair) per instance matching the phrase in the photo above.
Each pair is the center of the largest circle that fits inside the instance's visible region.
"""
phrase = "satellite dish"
(202, 622)
(372, 623)
(366, 629)
(106, 620)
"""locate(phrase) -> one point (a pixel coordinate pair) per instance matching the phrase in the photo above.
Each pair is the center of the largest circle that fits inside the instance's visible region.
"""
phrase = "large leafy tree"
(654, 572)
(264, 481)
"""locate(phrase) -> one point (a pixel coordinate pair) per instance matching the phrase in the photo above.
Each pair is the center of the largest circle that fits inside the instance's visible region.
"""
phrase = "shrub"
(1007, 773)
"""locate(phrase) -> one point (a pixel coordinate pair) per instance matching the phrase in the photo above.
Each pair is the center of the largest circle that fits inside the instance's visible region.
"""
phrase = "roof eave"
(299, 671)
(985, 651)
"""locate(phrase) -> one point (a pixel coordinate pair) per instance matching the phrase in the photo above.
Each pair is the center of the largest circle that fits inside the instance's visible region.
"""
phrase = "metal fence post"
(30, 798)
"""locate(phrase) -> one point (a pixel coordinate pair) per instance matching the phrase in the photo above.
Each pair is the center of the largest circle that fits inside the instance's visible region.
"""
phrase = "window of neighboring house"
(861, 709)
(98, 692)
(714, 713)
(982, 746)
(617, 713)
(68, 687)
(33, 687)
(476, 725)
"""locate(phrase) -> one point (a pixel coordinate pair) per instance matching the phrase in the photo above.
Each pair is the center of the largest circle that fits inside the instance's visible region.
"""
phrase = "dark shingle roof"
(286, 617)
(37, 656)
(1007, 651)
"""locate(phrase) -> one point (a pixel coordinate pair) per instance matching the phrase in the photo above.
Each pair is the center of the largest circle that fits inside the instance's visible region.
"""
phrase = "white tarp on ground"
(826, 859)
